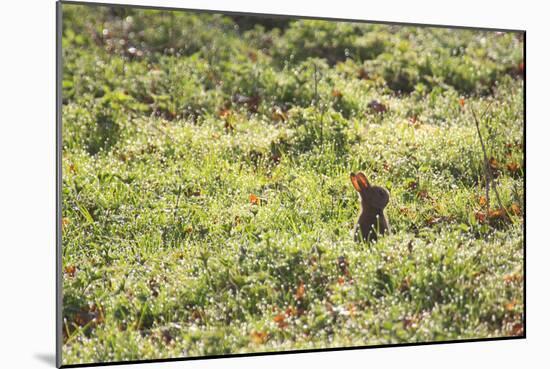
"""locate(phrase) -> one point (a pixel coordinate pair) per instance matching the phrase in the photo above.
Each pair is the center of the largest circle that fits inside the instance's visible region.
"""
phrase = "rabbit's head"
(371, 196)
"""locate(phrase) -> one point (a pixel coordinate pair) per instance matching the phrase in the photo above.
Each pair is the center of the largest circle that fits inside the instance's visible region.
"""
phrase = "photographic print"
(235, 184)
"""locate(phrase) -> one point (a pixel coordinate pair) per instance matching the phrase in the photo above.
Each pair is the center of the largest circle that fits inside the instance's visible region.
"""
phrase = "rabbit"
(374, 199)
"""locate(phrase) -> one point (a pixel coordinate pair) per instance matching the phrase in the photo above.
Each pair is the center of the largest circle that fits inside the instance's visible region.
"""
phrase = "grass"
(207, 207)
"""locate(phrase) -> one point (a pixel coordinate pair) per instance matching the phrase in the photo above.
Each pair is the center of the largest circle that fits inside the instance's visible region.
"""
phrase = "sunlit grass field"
(207, 205)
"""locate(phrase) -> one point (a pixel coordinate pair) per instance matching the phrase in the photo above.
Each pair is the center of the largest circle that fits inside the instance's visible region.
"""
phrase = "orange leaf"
(497, 214)
(482, 200)
(280, 319)
(300, 291)
(493, 163)
(514, 277)
(258, 337)
(70, 270)
(512, 167)
(510, 305)
(64, 223)
(461, 101)
(254, 200)
(337, 94)
(224, 112)
(515, 209)
(341, 280)
(480, 216)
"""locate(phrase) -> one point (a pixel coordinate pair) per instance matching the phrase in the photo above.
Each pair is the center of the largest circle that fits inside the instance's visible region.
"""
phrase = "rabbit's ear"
(354, 182)
(359, 181)
(362, 179)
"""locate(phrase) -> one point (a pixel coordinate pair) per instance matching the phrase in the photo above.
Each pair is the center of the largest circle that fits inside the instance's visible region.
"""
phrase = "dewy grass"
(207, 206)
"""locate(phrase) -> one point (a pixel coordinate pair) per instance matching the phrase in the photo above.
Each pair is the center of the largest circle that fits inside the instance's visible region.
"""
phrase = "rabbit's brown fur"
(372, 221)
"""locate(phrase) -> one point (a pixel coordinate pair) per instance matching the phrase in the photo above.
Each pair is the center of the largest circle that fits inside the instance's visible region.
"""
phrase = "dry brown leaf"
(258, 337)
(280, 319)
(337, 94)
(480, 216)
(517, 329)
(493, 163)
(363, 74)
(70, 270)
(515, 209)
(64, 223)
(482, 200)
(497, 214)
(300, 291)
(512, 167)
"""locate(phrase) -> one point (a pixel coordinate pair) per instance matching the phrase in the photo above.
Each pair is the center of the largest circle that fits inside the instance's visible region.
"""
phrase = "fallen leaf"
(480, 216)
(300, 291)
(363, 74)
(258, 337)
(337, 94)
(70, 270)
(280, 319)
(482, 200)
(517, 329)
(254, 200)
(515, 209)
(512, 167)
(510, 305)
(462, 102)
(64, 222)
(497, 214)
(514, 277)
